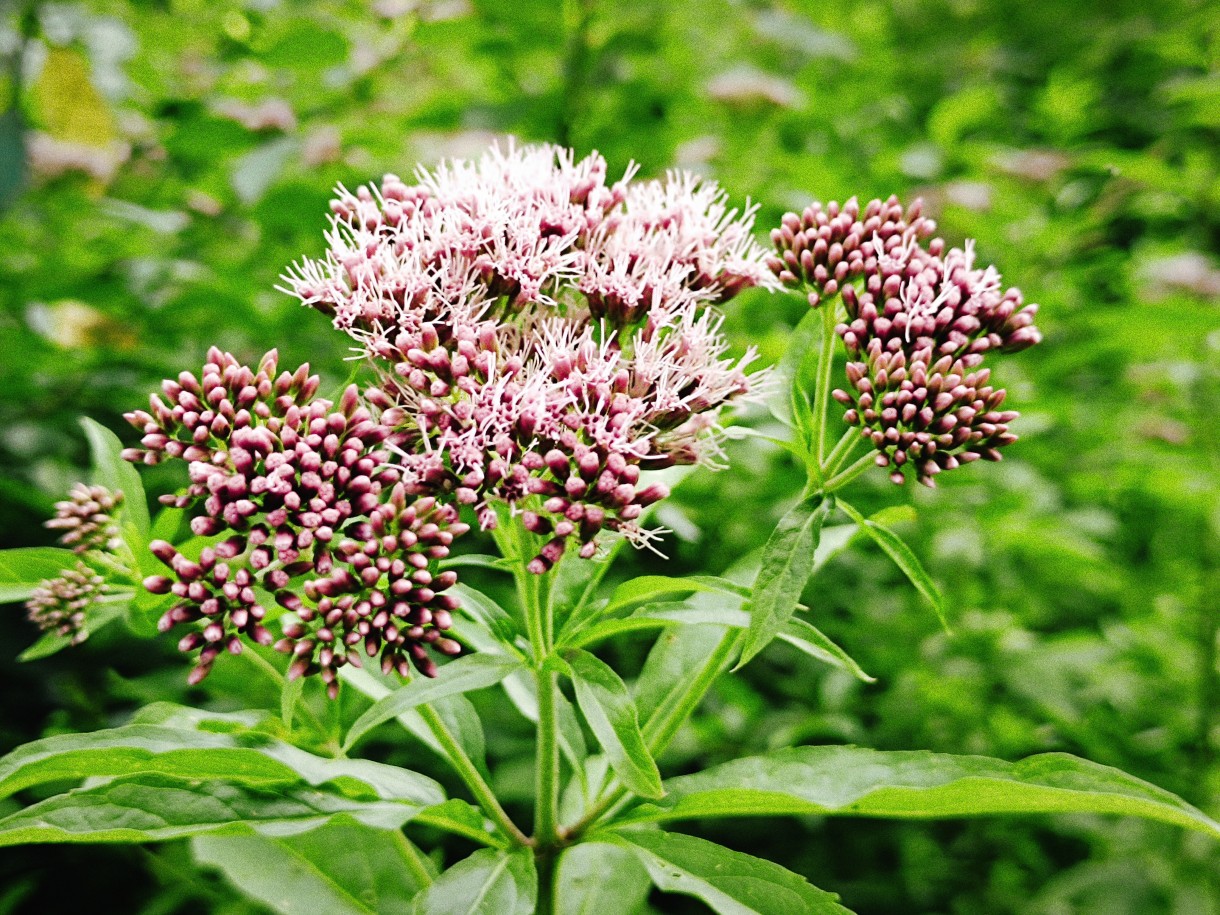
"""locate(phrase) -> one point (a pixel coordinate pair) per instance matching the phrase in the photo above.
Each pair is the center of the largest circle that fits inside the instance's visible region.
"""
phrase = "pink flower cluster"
(920, 320)
(309, 510)
(544, 336)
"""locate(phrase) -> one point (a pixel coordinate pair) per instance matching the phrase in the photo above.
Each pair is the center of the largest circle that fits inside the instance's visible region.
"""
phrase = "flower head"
(86, 518)
(920, 320)
(310, 511)
(60, 604)
(544, 336)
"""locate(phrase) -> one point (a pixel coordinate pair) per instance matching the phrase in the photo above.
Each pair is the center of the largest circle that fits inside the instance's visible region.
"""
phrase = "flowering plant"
(541, 350)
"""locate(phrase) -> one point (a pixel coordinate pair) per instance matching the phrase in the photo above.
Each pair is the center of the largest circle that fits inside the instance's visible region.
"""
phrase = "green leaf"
(460, 818)
(117, 475)
(50, 643)
(654, 616)
(906, 560)
(153, 808)
(797, 632)
(647, 588)
(341, 868)
(806, 637)
(489, 882)
(246, 758)
(478, 561)
(476, 671)
(787, 563)
(730, 882)
(596, 878)
(607, 707)
(24, 569)
(674, 660)
(852, 781)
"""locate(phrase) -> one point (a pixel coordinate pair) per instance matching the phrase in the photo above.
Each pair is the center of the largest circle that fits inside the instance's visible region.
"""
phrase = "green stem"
(843, 477)
(544, 861)
(413, 858)
(841, 451)
(546, 805)
(470, 775)
(825, 364)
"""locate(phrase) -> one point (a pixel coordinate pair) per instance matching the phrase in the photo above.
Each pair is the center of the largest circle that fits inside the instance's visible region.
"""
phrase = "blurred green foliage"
(162, 162)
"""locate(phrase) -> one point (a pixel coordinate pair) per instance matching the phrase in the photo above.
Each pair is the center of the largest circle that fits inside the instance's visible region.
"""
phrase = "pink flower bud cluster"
(545, 337)
(87, 520)
(298, 492)
(60, 604)
(920, 320)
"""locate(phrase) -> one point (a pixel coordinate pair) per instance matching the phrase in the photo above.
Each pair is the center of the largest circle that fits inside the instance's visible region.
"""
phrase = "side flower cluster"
(920, 320)
(545, 336)
(301, 503)
(88, 525)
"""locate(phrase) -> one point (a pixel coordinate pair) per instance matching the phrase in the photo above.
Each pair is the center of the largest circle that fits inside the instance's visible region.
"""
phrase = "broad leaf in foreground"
(607, 707)
(730, 882)
(153, 808)
(248, 759)
(489, 882)
(852, 781)
(342, 868)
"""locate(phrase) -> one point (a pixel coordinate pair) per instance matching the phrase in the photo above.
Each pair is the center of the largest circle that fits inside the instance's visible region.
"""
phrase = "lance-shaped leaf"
(23, 569)
(342, 868)
(607, 707)
(248, 759)
(730, 882)
(476, 671)
(648, 588)
(153, 808)
(852, 781)
(787, 563)
(903, 557)
(489, 882)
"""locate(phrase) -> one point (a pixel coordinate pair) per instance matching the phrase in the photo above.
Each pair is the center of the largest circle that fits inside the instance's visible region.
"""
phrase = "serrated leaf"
(489, 882)
(852, 781)
(730, 882)
(787, 564)
(903, 557)
(476, 671)
(610, 713)
(118, 475)
(341, 868)
(24, 569)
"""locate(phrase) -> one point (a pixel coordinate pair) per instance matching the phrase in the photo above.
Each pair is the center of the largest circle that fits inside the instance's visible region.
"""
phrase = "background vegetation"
(162, 162)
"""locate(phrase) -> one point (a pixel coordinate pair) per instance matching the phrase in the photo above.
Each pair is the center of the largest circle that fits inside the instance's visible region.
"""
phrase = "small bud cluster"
(297, 490)
(920, 320)
(87, 519)
(545, 337)
(60, 604)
